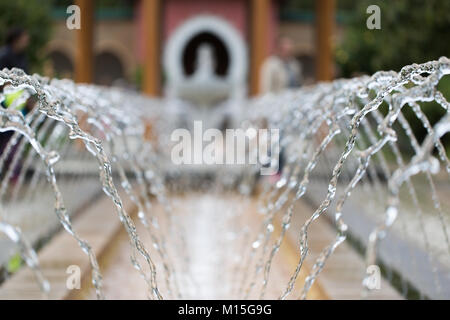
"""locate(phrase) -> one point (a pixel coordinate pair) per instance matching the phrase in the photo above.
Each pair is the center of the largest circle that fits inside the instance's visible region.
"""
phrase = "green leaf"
(14, 263)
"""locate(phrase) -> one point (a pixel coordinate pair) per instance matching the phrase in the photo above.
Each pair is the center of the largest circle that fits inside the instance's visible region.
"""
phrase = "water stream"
(348, 148)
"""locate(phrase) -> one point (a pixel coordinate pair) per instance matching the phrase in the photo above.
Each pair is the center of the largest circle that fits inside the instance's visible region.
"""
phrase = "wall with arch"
(114, 41)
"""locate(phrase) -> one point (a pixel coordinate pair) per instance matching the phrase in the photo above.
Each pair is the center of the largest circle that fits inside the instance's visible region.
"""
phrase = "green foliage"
(98, 3)
(33, 16)
(433, 111)
(14, 263)
(138, 77)
(412, 31)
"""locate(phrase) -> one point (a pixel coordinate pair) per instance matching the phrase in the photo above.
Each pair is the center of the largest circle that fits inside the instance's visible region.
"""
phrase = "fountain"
(204, 88)
(349, 149)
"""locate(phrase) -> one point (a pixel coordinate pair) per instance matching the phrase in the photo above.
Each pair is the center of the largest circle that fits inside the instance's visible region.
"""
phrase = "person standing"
(278, 72)
(12, 54)
(281, 70)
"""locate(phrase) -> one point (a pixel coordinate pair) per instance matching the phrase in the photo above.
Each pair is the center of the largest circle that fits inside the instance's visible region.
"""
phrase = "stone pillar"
(325, 24)
(259, 40)
(152, 66)
(84, 55)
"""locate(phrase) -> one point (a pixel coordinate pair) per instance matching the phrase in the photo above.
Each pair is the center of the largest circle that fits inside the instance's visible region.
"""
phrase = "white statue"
(204, 63)
(204, 87)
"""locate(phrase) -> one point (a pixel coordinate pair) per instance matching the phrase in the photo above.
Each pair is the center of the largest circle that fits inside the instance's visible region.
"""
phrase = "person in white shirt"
(281, 70)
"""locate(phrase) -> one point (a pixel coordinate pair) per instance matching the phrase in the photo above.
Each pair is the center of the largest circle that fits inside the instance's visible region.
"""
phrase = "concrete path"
(218, 236)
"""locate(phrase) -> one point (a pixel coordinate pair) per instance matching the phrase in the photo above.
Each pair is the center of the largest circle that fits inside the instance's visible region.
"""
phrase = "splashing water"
(350, 149)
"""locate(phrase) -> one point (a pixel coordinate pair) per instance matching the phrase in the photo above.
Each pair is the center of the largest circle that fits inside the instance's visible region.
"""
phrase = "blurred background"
(153, 45)
(411, 31)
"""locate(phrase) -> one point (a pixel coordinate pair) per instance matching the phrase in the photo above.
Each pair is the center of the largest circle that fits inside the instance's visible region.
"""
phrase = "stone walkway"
(218, 233)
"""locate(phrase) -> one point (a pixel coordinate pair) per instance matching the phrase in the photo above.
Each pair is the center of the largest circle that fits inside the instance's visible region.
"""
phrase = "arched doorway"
(108, 69)
(220, 51)
(229, 50)
(60, 65)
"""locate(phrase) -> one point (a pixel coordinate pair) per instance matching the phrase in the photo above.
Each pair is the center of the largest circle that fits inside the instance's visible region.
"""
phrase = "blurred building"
(157, 41)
